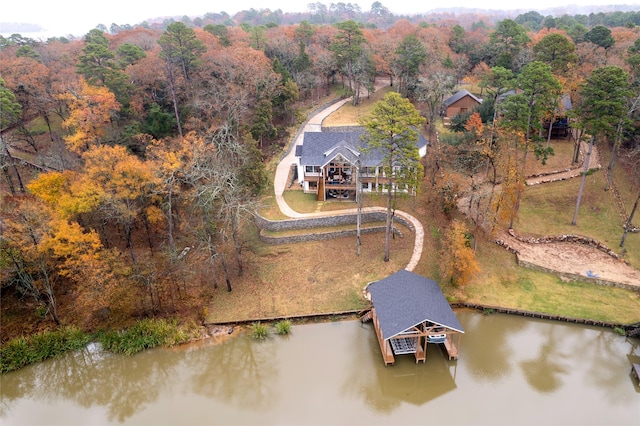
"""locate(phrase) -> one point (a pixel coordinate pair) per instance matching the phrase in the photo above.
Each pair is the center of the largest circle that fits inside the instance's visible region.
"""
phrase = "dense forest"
(133, 159)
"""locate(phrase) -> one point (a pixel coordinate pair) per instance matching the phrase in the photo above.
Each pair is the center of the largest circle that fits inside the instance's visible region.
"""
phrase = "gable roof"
(404, 300)
(459, 95)
(319, 148)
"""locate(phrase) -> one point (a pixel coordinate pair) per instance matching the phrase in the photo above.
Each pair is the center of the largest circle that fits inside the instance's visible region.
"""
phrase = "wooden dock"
(451, 347)
(635, 371)
(385, 347)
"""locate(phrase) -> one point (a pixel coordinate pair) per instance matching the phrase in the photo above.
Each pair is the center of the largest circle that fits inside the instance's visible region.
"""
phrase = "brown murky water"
(512, 371)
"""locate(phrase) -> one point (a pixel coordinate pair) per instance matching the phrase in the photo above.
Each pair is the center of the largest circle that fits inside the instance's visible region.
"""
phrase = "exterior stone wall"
(323, 222)
(320, 236)
(576, 277)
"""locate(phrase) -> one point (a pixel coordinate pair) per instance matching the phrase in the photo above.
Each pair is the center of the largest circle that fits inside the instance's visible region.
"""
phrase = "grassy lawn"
(307, 278)
(350, 115)
(503, 283)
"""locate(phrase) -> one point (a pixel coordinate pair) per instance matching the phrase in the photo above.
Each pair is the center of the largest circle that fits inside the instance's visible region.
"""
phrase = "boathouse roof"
(405, 299)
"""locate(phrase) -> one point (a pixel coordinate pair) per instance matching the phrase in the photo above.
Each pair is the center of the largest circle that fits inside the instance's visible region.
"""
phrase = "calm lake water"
(511, 371)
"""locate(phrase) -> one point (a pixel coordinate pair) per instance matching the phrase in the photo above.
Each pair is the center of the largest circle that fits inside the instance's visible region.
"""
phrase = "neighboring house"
(332, 164)
(461, 102)
(560, 128)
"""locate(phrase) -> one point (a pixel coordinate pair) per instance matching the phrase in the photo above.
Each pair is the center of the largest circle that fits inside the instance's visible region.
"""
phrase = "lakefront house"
(335, 166)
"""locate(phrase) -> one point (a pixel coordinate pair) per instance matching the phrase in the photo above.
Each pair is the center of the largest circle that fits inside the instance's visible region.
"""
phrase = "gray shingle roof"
(318, 148)
(404, 299)
(459, 95)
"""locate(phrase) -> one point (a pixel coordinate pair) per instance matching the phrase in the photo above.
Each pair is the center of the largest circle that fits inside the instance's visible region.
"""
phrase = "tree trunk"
(212, 258)
(174, 97)
(614, 151)
(237, 244)
(629, 221)
(359, 216)
(127, 231)
(553, 117)
(387, 230)
(584, 178)
(170, 219)
(576, 150)
(226, 273)
(13, 165)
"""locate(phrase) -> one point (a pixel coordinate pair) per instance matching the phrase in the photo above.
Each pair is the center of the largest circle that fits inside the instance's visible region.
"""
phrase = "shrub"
(19, 352)
(283, 327)
(620, 331)
(260, 331)
(144, 334)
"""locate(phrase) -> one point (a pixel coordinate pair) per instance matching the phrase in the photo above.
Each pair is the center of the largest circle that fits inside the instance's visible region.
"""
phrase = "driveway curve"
(314, 124)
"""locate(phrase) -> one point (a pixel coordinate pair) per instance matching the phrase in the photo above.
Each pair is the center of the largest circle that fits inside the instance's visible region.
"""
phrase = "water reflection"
(545, 372)
(511, 371)
(240, 373)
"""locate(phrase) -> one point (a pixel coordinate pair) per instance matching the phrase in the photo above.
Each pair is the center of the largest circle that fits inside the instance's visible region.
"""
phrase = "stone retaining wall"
(323, 222)
(326, 221)
(568, 238)
(320, 236)
(576, 277)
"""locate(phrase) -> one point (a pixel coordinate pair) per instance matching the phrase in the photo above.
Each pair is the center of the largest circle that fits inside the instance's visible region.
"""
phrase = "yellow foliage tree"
(125, 185)
(90, 111)
(460, 261)
(68, 192)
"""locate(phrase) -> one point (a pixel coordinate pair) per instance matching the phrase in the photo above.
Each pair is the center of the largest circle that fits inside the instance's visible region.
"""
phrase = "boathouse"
(409, 312)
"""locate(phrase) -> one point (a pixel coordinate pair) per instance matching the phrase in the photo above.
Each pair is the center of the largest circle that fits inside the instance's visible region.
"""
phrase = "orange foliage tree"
(460, 261)
(90, 111)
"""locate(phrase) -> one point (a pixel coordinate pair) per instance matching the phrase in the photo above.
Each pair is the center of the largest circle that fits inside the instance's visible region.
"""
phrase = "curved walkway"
(314, 124)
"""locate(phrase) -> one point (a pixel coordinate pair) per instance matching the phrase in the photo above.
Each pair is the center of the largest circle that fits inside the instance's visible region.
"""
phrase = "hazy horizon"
(55, 19)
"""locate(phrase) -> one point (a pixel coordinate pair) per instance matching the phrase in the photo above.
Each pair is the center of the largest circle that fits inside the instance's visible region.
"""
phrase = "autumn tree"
(391, 130)
(504, 205)
(474, 125)
(91, 110)
(28, 79)
(26, 224)
(124, 186)
(460, 262)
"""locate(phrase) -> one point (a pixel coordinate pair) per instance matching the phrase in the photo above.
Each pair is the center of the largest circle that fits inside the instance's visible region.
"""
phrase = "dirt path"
(571, 260)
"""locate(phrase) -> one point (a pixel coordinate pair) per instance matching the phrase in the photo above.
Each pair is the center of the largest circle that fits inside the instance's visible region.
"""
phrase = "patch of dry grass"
(307, 278)
(350, 115)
